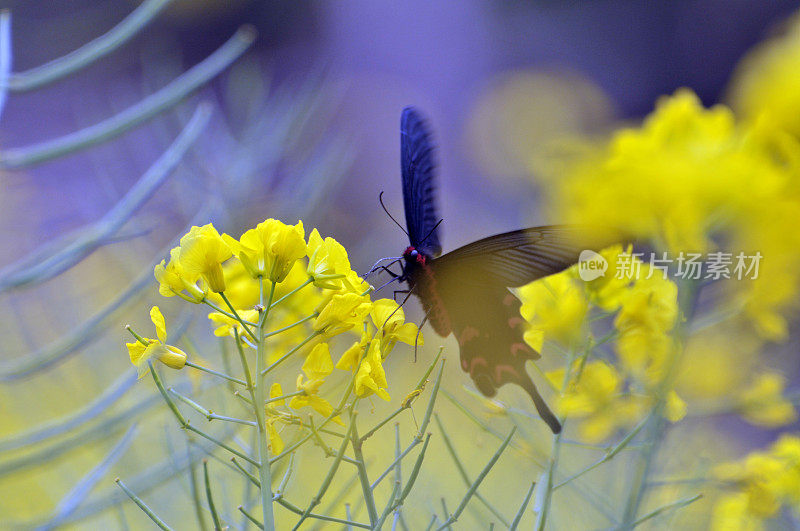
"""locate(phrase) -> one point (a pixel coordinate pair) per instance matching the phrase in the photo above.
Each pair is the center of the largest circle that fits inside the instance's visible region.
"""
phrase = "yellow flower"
(317, 367)
(674, 408)
(228, 324)
(647, 315)
(271, 249)
(651, 304)
(767, 82)
(140, 353)
(327, 261)
(689, 177)
(388, 316)
(763, 402)
(341, 313)
(556, 306)
(353, 354)
(276, 391)
(202, 252)
(607, 291)
(273, 416)
(370, 377)
(596, 398)
(275, 442)
(240, 289)
(173, 279)
(731, 513)
(765, 480)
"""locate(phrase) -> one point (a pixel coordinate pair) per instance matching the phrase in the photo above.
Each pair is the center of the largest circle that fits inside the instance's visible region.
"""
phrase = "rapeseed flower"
(555, 307)
(762, 483)
(141, 352)
(764, 404)
(202, 252)
(270, 250)
(173, 279)
(327, 261)
(317, 367)
(389, 318)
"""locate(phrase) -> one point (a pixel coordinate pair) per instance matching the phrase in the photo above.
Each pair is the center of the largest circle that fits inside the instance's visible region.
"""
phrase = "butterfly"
(465, 291)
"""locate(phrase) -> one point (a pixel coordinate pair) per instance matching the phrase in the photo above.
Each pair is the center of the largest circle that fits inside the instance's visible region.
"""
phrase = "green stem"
(289, 327)
(216, 373)
(474, 487)
(366, 488)
(688, 294)
(292, 351)
(295, 290)
(261, 414)
(211, 506)
(143, 506)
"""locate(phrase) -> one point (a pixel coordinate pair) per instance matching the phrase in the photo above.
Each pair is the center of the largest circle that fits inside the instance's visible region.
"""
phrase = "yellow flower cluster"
(762, 483)
(690, 179)
(265, 273)
(607, 396)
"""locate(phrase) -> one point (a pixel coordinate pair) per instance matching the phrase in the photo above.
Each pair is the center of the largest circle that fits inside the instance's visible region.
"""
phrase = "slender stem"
(91, 51)
(462, 471)
(331, 472)
(251, 518)
(284, 397)
(261, 412)
(254, 480)
(216, 373)
(609, 455)
(292, 351)
(474, 487)
(289, 327)
(295, 290)
(221, 444)
(518, 517)
(163, 392)
(236, 316)
(211, 506)
(192, 472)
(674, 505)
(143, 506)
(688, 293)
(366, 488)
(214, 416)
(150, 106)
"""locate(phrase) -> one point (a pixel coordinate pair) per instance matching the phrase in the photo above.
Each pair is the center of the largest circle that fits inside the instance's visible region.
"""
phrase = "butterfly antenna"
(431, 231)
(380, 198)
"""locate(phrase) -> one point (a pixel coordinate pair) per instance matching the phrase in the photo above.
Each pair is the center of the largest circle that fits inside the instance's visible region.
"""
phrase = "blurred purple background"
(440, 56)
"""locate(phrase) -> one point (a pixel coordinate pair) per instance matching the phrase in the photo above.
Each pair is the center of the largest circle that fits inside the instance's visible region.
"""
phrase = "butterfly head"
(411, 254)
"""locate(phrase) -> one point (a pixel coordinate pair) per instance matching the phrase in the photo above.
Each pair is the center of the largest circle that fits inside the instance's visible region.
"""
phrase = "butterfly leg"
(419, 331)
(394, 295)
(377, 265)
(386, 269)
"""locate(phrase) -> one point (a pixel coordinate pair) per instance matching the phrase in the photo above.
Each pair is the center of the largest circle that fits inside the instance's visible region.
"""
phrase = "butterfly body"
(465, 292)
(420, 277)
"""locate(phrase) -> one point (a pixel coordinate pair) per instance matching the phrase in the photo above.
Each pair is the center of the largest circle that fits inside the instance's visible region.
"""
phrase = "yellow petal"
(161, 326)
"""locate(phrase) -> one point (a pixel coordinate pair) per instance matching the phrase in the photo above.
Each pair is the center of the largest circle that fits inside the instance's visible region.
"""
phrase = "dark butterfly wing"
(489, 329)
(466, 292)
(418, 168)
(518, 257)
